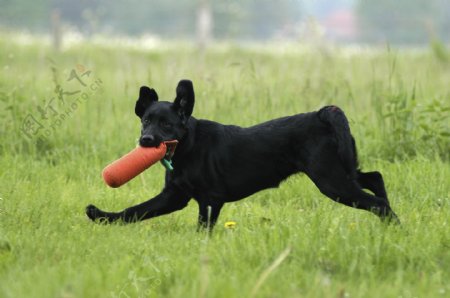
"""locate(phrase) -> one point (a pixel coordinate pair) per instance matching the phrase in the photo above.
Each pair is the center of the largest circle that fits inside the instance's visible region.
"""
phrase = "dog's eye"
(146, 121)
(166, 124)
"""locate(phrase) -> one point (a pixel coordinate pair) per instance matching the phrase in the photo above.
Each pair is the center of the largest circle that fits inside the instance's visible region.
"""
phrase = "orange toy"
(135, 162)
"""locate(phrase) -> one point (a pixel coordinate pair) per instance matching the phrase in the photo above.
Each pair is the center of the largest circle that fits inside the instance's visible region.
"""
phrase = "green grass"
(397, 102)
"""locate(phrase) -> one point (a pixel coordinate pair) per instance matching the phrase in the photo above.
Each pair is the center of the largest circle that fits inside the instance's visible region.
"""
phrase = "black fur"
(216, 163)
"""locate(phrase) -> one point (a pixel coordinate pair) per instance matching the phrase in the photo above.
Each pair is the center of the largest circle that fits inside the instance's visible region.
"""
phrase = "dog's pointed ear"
(184, 102)
(146, 97)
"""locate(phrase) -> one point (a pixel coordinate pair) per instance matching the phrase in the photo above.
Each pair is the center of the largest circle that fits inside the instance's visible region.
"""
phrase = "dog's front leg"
(208, 214)
(166, 202)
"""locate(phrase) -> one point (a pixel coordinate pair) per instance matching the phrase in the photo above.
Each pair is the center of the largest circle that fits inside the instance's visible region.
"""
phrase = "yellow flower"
(230, 224)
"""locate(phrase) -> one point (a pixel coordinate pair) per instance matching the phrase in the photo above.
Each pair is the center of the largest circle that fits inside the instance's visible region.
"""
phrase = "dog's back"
(231, 162)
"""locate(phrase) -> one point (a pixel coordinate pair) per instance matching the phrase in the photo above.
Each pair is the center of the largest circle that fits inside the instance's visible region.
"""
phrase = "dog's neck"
(186, 143)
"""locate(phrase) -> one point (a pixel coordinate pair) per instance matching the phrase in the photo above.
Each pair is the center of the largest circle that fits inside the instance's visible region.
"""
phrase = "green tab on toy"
(167, 164)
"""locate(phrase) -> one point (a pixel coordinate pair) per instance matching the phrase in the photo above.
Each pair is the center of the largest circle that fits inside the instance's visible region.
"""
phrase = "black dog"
(216, 164)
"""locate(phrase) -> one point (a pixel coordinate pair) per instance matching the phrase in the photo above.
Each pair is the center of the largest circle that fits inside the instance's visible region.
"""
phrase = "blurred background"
(386, 62)
(70, 73)
(396, 22)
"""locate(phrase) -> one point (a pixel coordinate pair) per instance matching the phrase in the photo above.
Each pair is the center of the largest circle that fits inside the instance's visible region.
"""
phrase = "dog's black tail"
(338, 122)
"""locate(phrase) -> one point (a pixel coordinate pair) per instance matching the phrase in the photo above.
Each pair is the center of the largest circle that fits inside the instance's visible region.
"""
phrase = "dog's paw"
(392, 219)
(100, 216)
(93, 212)
(389, 217)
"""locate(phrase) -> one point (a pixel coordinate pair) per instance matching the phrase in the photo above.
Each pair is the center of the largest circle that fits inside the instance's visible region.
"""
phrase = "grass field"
(288, 242)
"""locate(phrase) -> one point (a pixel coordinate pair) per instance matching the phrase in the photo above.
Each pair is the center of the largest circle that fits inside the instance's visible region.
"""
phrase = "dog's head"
(162, 120)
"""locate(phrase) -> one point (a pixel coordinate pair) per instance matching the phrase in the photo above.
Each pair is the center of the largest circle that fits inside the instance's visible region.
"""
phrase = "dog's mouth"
(150, 142)
(148, 145)
(171, 146)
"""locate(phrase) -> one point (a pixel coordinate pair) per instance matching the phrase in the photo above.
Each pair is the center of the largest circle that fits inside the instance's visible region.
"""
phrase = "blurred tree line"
(404, 21)
(396, 21)
(234, 19)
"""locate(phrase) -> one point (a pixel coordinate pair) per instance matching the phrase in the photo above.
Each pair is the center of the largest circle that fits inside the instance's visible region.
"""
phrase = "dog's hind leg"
(333, 181)
(166, 202)
(373, 181)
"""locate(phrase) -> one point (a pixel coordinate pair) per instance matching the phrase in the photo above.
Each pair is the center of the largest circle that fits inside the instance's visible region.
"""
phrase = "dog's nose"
(147, 140)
